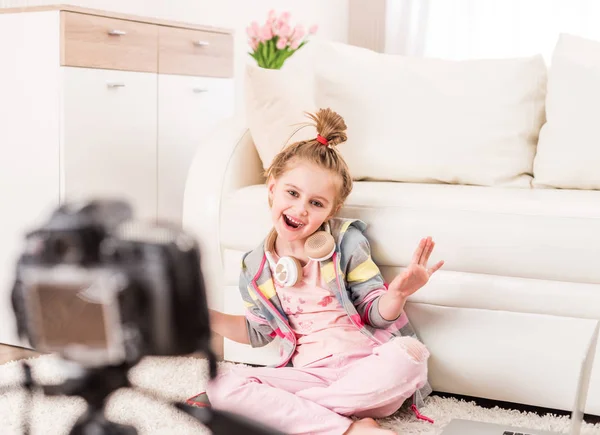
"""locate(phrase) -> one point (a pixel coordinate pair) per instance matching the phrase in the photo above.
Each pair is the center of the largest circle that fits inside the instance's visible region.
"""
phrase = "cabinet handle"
(116, 32)
(201, 43)
(200, 90)
(115, 84)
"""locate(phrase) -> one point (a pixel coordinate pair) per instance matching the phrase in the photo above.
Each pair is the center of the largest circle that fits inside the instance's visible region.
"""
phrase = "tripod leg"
(28, 384)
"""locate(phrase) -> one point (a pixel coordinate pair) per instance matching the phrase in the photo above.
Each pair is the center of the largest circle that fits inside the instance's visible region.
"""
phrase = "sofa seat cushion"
(530, 233)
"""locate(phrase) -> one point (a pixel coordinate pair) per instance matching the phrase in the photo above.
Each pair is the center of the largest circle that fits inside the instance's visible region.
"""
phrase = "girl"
(346, 347)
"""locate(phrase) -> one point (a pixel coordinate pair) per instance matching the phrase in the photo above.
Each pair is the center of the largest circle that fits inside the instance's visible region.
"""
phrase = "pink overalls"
(338, 371)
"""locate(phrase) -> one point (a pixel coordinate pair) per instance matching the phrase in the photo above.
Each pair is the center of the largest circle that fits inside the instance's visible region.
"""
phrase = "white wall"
(330, 15)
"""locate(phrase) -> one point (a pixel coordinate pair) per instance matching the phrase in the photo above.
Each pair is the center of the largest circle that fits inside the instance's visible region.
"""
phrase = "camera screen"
(65, 315)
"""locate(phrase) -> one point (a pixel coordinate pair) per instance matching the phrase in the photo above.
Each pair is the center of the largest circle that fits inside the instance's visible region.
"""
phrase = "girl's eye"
(316, 204)
(293, 193)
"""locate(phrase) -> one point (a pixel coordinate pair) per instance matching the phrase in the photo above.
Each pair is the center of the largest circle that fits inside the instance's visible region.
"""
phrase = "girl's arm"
(364, 281)
(377, 306)
(391, 306)
(229, 326)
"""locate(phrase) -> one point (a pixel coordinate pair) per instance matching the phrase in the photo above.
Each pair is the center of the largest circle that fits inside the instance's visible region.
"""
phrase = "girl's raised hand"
(416, 275)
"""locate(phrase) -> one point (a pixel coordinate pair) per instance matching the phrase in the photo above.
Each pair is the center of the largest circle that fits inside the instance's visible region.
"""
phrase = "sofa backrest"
(433, 120)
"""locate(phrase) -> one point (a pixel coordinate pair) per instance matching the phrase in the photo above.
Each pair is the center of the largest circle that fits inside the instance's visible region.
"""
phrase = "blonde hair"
(332, 130)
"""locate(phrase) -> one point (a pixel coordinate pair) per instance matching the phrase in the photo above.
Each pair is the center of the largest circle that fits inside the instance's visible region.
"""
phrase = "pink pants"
(319, 397)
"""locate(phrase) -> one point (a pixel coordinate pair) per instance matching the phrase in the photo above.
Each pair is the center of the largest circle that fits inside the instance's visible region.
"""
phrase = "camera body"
(102, 289)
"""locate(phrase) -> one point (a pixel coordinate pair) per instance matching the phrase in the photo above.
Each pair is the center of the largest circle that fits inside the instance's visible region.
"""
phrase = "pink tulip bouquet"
(276, 40)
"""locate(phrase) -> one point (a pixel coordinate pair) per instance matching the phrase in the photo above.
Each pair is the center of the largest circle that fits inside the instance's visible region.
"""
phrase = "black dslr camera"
(103, 290)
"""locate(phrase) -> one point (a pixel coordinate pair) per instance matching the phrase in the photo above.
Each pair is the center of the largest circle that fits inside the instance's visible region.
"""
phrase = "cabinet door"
(188, 107)
(109, 137)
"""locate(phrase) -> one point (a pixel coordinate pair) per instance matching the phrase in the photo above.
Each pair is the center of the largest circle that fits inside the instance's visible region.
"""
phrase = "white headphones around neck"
(320, 246)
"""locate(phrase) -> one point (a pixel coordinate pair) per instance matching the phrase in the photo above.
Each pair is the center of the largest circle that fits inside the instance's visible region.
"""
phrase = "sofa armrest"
(226, 161)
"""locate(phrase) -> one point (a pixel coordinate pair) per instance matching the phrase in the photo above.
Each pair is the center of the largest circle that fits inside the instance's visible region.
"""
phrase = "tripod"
(96, 385)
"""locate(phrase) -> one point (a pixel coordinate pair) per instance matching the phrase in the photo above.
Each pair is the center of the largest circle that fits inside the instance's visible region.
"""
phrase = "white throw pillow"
(276, 102)
(568, 153)
(432, 120)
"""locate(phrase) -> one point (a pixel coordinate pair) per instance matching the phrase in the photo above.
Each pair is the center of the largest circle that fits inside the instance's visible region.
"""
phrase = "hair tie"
(322, 140)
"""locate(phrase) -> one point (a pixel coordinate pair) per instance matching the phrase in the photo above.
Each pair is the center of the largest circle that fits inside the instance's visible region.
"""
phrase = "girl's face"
(302, 199)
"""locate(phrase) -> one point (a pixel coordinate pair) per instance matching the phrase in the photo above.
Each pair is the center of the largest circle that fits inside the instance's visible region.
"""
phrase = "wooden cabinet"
(96, 104)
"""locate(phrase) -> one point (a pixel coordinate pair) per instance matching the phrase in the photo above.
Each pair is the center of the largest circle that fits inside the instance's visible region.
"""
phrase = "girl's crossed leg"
(317, 399)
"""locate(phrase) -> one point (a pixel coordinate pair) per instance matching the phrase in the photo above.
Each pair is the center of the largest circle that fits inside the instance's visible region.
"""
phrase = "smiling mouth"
(291, 222)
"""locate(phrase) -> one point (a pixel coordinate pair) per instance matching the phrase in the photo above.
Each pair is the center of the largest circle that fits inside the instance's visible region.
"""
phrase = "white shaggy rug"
(180, 378)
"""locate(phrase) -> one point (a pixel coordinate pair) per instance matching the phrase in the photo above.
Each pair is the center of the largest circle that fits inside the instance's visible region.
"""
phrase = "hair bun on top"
(330, 125)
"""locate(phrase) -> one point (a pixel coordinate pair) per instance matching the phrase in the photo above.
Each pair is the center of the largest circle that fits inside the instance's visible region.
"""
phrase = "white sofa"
(508, 316)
